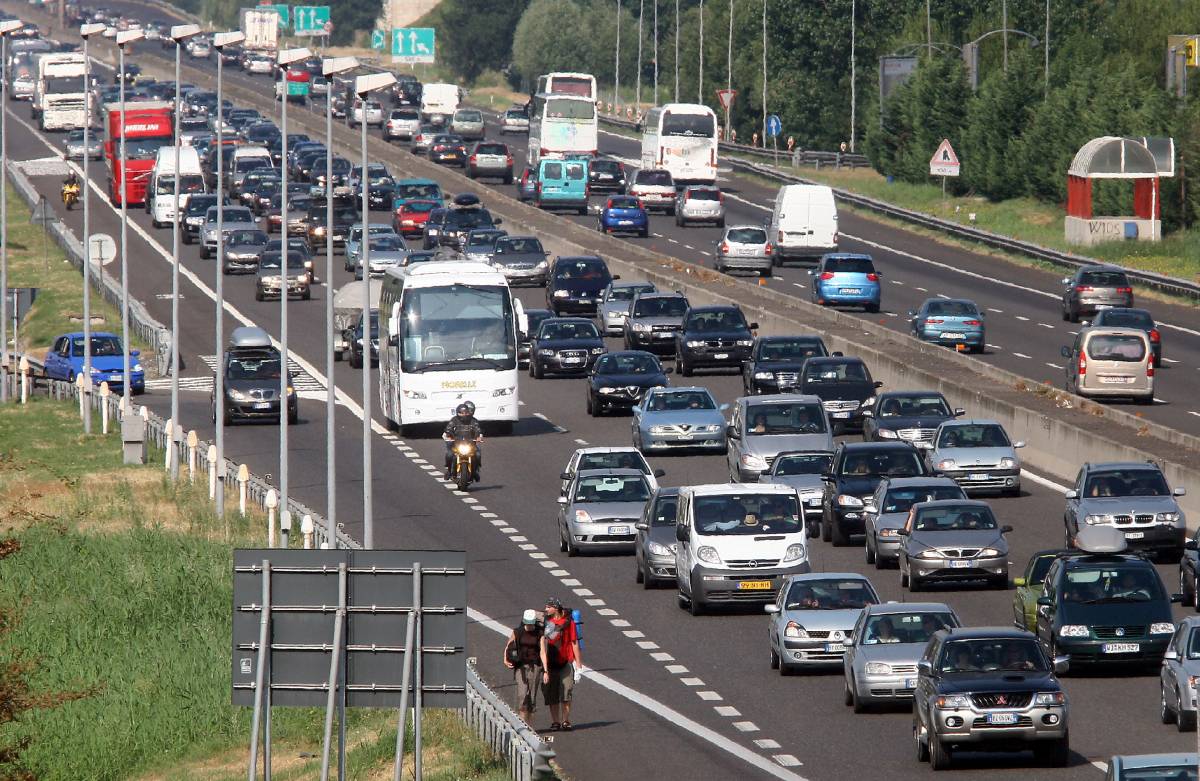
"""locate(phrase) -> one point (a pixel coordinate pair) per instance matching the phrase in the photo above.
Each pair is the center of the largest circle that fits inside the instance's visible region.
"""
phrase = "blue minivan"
(843, 279)
(562, 184)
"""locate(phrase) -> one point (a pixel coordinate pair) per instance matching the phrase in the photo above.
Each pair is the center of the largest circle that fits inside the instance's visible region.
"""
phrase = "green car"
(1029, 588)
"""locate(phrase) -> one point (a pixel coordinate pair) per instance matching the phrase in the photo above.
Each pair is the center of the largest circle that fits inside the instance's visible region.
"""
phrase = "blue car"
(624, 214)
(843, 279)
(64, 361)
(949, 321)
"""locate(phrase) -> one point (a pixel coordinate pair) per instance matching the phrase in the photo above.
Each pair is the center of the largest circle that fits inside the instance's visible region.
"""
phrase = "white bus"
(449, 332)
(582, 85)
(681, 138)
(562, 126)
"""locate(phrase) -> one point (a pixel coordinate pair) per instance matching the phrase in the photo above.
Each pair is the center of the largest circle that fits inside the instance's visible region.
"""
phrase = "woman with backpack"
(561, 661)
(523, 655)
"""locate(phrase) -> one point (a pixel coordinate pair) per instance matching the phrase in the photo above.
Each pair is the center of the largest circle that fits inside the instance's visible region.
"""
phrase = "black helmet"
(463, 409)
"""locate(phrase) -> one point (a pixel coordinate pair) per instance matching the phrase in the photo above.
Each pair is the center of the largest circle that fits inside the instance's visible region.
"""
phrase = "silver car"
(744, 248)
(762, 427)
(242, 251)
(73, 146)
(678, 418)
(490, 159)
(601, 510)
(978, 454)
(880, 665)
(620, 457)
(372, 114)
(386, 252)
(813, 617)
(1133, 498)
(804, 472)
(655, 188)
(515, 120)
(700, 203)
(655, 547)
(953, 540)
(614, 304)
(886, 512)
(521, 259)
(402, 124)
(235, 218)
(1180, 668)
(468, 124)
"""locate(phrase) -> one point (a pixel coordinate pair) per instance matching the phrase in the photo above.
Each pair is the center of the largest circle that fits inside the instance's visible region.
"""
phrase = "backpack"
(514, 651)
(555, 650)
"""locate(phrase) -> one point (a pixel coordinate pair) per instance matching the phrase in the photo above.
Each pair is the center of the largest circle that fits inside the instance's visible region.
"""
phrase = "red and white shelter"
(1115, 157)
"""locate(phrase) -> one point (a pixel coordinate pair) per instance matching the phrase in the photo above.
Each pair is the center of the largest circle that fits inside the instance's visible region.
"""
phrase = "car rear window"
(901, 500)
(850, 265)
(623, 203)
(491, 149)
(1126, 318)
(576, 172)
(607, 166)
(552, 171)
(952, 308)
(405, 114)
(1116, 347)
(1104, 279)
(747, 236)
(704, 194)
(625, 459)
(628, 292)
(655, 178)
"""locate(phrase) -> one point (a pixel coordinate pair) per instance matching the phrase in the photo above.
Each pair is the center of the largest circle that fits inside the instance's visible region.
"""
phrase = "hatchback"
(402, 124)
(978, 455)
(527, 186)
(700, 203)
(655, 546)
(615, 303)
(956, 322)
(1178, 674)
(655, 188)
(607, 176)
(448, 149)
(601, 509)
(1093, 288)
(491, 159)
(813, 619)
(842, 279)
(880, 665)
(467, 123)
(515, 120)
(1111, 362)
(623, 214)
(576, 284)
(744, 248)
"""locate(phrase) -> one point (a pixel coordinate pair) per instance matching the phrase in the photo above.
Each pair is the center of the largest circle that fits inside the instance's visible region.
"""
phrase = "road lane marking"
(1022, 318)
(1053, 365)
(1046, 325)
(1021, 355)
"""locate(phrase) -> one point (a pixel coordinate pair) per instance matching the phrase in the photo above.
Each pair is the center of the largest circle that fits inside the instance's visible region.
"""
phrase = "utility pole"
(763, 134)
(617, 66)
(676, 51)
(928, 31)
(853, 86)
(1046, 52)
(637, 91)
(655, 52)
(1004, 26)
(729, 75)
(700, 80)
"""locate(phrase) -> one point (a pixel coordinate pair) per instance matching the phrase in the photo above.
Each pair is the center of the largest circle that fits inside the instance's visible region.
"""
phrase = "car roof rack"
(1101, 539)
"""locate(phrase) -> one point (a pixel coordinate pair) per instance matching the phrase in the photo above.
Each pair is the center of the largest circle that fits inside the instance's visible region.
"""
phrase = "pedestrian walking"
(523, 655)
(562, 664)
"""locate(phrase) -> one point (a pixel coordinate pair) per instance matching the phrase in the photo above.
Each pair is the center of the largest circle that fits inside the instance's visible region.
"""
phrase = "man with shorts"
(523, 655)
(560, 660)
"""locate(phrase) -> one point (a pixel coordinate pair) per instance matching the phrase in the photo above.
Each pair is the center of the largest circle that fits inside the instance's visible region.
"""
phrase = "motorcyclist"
(70, 187)
(463, 426)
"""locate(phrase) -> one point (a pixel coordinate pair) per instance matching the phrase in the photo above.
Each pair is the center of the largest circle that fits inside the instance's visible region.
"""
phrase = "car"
(844, 385)
(270, 283)
(601, 509)
(354, 338)
(297, 216)
(413, 258)
(618, 380)
(622, 214)
(762, 427)
(378, 175)
(686, 418)
(952, 540)
(886, 512)
(804, 471)
(619, 457)
(257, 63)
(194, 213)
(1105, 605)
(654, 320)
(562, 184)
(402, 124)
(514, 120)
(845, 279)
(490, 159)
(812, 619)
(242, 251)
(386, 252)
(1124, 317)
(1030, 586)
(880, 663)
(368, 112)
(576, 283)
(654, 548)
(409, 218)
(318, 231)
(521, 259)
(910, 416)
(424, 137)
(337, 171)
(533, 318)
(65, 361)
(449, 149)
(775, 362)
(457, 222)
(713, 337)
(527, 186)
(1152, 767)
(606, 175)
(252, 372)
(1134, 498)
(354, 239)
(978, 454)
(1095, 287)
(468, 124)
(744, 248)
(1107, 362)
(480, 243)
(74, 150)
(565, 345)
(956, 322)
(857, 470)
(989, 689)
(654, 188)
(613, 309)
(700, 203)
(234, 218)
(1178, 676)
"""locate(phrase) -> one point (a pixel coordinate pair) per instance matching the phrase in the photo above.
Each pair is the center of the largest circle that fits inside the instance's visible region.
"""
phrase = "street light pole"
(729, 76)
(656, 52)
(676, 51)
(763, 135)
(1046, 53)
(637, 90)
(7, 27)
(700, 80)
(86, 31)
(853, 68)
(126, 37)
(617, 66)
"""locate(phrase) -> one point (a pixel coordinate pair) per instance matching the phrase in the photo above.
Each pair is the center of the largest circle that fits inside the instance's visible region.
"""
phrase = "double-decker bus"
(681, 138)
(448, 333)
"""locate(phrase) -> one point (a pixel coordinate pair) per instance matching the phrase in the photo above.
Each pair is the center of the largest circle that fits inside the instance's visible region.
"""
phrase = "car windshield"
(1175, 772)
(830, 594)
(882, 463)
(923, 405)
(681, 400)
(101, 345)
(952, 309)
(747, 236)
(666, 306)
(572, 330)
(835, 372)
(465, 219)
(420, 207)
(468, 115)
(1015, 654)
(250, 163)
(622, 459)
(914, 627)
(253, 368)
(900, 500)
(954, 518)
(481, 239)
(1193, 643)
(387, 244)
(802, 464)
(973, 435)
(244, 238)
(1126, 482)
(606, 166)
(785, 418)
(518, 246)
(850, 265)
(1116, 347)
(628, 292)
(629, 363)
(612, 488)
(784, 349)
(665, 511)
(1103, 279)
(581, 269)
(713, 321)
(1092, 585)
(747, 514)
(655, 179)
(414, 191)
(231, 214)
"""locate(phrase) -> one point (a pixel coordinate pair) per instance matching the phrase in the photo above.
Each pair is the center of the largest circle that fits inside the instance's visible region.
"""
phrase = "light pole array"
(86, 31)
(7, 28)
(124, 38)
(700, 80)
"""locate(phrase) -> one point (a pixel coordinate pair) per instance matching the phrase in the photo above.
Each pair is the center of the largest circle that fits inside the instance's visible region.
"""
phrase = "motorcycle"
(463, 469)
(70, 195)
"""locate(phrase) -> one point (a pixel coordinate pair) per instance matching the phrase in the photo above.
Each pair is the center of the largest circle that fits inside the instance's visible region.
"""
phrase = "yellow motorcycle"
(70, 195)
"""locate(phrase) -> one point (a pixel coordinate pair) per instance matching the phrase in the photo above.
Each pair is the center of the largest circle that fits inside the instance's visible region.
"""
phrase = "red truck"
(148, 126)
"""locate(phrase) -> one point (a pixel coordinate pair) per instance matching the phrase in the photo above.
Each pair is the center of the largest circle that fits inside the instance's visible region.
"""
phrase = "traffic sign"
(944, 162)
(284, 12)
(413, 44)
(725, 97)
(774, 125)
(311, 19)
(104, 248)
(378, 39)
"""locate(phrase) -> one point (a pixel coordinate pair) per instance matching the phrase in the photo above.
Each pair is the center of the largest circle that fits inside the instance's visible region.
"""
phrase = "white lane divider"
(1022, 318)
(1021, 355)
(1046, 325)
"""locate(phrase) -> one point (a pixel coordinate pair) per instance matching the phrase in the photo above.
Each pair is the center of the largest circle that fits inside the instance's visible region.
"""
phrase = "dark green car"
(1029, 588)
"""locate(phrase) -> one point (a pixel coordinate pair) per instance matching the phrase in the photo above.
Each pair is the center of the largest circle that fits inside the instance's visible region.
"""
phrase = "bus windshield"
(457, 327)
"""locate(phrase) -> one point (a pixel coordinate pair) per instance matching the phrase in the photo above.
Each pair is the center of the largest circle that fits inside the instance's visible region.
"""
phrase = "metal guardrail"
(528, 756)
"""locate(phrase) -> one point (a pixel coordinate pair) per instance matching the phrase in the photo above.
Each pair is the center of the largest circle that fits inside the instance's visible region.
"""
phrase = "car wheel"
(535, 368)
(572, 551)
(685, 368)
(869, 552)
(644, 233)
(914, 583)
(355, 360)
(774, 660)
(939, 754)
(766, 273)
(920, 745)
(562, 542)
(1055, 753)
(1165, 714)
(857, 703)
(696, 608)
(591, 408)
(1185, 720)
(640, 577)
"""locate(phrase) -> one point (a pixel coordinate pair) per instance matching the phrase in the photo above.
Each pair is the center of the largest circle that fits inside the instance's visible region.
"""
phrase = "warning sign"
(944, 162)
(725, 97)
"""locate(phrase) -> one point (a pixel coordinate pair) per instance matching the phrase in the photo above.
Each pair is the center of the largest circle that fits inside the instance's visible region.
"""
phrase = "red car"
(409, 220)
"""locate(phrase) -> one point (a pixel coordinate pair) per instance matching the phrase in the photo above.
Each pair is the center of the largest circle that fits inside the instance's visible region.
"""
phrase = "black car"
(1125, 317)
(654, 319)
(564, 345)
(844, 386)
(354, 338)
(910, 416)
(619, 380)
(252, 379)
(533, 319)
(193, 215)
(576, 284)
(448, 149)
(379, 196)
(606, 175)
(775, 363)
(316, 229)
(131, 73)
(857, 469)
(449, 227)
(713, 337)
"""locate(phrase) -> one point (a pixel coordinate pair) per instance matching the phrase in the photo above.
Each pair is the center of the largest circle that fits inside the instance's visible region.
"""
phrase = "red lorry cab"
(148, 126)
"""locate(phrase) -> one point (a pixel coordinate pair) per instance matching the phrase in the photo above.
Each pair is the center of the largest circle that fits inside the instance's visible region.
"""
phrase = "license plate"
(841, 415)
(624, 222)
(1121, 648)
(978, 476)
(953, 336)
(754, 585)
(1002, 718)
(262, 405)
(959, 564)
(664, 335)
(721, 356)
(618, 530)
(684, 437)
(850, 291)
(572, 360)
(910, 683)
(834, 648)
(1110, 379)
(1134, 535)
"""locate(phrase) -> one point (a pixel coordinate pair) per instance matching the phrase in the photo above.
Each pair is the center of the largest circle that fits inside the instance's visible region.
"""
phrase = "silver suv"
(1093, 288)
(1132, 497)
(762, 427)
(402, 124)
(372, 115)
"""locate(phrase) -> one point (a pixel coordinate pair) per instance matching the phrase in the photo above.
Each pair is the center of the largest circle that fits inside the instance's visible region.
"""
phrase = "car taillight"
(712, 158)
(934, 321)
(1082, 364)
(1154, 337)
(972, 322)
(1124, 290)
(508, 160)
(1150, 368)
(687, 195)
(826, 275)
(768, 250)
(724, 248)
(721, 197)
(1082, 288)
(543, 151)
(872, 277)
(609, 204)
(471, 159)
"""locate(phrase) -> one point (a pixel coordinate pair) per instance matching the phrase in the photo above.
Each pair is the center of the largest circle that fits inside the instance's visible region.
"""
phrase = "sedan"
(679, 419)
(619, 380)
(565, 345)
(953, 540)
(448, 149)
(842, 279)
(910, 416)
(978, 454)
(410, 218)
(606, 176)
(654, 548)
(1177, 676)
(521, 259)
(804, 471)
(880, 665)
(601, 509)
(886, 511)
(527, 186)
(623, 214)
(744, 248)
(813, 618)
(956, 322)
(270, 279)
(74, 149)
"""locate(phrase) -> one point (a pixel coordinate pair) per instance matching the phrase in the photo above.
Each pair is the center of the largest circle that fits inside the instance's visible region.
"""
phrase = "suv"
(990, 689)
(468, 123)
(762, 427)
(655, 188)
(373, 115)
(402, 124)
(857, 469)
(844, 386)
(1093, 288)
(576, 284)
(713, 337)
(775, 363)
(653, 321)
(1132, 497)
(251, 379)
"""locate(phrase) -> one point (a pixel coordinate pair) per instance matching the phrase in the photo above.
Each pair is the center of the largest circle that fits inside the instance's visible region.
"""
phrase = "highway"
(689, 697)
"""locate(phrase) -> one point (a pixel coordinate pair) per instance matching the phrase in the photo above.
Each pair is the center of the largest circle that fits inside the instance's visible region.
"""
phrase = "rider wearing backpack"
(523, 655)
(560, 660)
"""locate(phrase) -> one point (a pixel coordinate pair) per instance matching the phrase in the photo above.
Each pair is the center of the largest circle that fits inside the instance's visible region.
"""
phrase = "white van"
(737, 543)
(160, 204)
(244, 160)
(804, 222)
(439, 102)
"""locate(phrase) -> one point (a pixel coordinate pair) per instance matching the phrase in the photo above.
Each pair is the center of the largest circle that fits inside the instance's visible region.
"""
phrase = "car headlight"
(950, 701)
(946, 463)
(1073, 630)
(695, 343)
(888, 532)
(237, 395)
(878, 668)
(137, 367)
(930, 553)
(318, 230)
(562, 293)
(745, 342)
(414, 394)
(641, 327)
(581, 516)
(797, 552)
(846, 500)
(546, 352)
(659, 429)
(1162, 628)
(988, 553)
(794, 630)
(1008, 463)
(887, 433)
(1092, 520)
(708, 429)
(598, 350)
(543, 264)
(764, 375)
(1050, 698)
(608, 390)
(658, 549)
(498, 392)
(1167, 517)
(751, 461)
(708, 555)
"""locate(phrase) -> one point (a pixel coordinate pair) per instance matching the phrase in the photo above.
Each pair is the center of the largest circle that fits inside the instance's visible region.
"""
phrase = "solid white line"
(1045, 482)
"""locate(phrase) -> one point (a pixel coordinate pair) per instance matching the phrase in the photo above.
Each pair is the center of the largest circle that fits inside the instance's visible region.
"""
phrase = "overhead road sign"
(774, 125)
(311, 19)
(284, 12)
(944, 161)
(413, 44)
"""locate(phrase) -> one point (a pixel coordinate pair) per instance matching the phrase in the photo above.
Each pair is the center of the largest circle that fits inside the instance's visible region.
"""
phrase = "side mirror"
(1061, 664)
(959, 412)
(660, 473)
(1177, 598)
(1018, 582)
(642, 526)
(924, 667)
(878, 384)
(681, 532)
(1065, 351)
(771, 609)
(837, 354)
(1066, 280)
(911, 313)
(902, 532)
(1181, 491)
(1191, 545)
(497, 221)
(732, 432)
(810, 272)
(870, 507)
(1006, 529)
(1020, 443)
(868, 413)
(1045, 602)
(565, 476)
(1170, 655)
(562, 500)
(1072, 494)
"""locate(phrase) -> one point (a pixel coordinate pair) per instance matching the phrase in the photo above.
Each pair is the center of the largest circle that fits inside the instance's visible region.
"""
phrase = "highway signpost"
(311, 19)
(378, 40)
(774, 129)
(284, 12)
(944, 163)
(413, 44)
(725, 98)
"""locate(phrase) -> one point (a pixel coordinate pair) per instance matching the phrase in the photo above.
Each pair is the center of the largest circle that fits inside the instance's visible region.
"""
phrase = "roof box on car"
(249, 336)
(1100, 539)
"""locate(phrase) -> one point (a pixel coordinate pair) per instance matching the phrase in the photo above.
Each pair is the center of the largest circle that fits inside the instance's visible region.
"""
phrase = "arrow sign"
(944, 162)
(413, 44)
(774, 125)
(377, 40)
(311, 19)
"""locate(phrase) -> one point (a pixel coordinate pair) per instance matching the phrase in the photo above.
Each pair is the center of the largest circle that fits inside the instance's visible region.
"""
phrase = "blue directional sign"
(311, 19)
(378, 39)
(774, 125)
(283, 12)
(413, 44)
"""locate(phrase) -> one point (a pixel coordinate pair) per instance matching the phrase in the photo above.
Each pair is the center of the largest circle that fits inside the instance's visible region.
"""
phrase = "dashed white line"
(766, 743)
(691, 681)
(662, 656)
(1170, 360)
(1053, 365)
(745, 726)
(1022, 318)
(647, 645)
(709, 696)
(923, 290)
(1021, 355)
(897, 282)
(1192, 412)
(787, 760)
(676, 669)
(706, 254)
(731, 712)
(619, 622)
(580, 441)
(634, 634)
(1046, 325)
(997, 311)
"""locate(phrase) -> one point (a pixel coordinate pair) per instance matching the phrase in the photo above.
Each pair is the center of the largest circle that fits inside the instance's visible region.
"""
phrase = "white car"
(373, 114)
(257, 63)
(655, 188)
(402, 124)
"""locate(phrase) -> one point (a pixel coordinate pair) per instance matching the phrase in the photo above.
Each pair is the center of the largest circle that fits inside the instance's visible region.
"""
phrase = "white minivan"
(737, 543)
(804, 222)
(160, 204)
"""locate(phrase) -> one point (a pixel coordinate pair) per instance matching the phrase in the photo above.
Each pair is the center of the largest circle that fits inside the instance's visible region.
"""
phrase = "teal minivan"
(562, 184)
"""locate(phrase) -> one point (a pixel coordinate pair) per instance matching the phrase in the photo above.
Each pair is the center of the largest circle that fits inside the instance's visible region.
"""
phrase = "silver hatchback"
(601, 510)
(467, 123)
(744, 248)
(813, 618)
(880, 665)
(1180, 669)
(700, 203)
